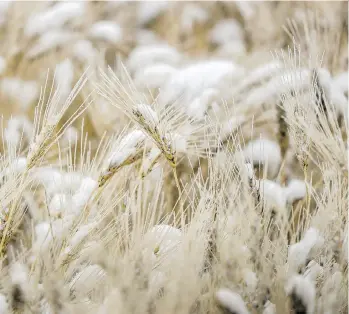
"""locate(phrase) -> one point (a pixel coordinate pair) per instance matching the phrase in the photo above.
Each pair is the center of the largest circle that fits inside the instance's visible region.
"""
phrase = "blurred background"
(67, 37)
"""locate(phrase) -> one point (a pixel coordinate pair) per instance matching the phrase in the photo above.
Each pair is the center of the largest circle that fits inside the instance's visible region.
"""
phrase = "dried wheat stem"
(151, 166)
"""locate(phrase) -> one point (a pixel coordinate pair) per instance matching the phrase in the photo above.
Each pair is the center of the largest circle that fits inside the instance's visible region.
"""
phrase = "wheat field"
(174, 157)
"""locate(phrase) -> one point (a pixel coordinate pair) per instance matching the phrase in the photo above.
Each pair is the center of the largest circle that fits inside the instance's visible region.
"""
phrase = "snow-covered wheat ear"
(126, 152)
(231, 302)
(148, 119)
(165, 126)
(126, 98)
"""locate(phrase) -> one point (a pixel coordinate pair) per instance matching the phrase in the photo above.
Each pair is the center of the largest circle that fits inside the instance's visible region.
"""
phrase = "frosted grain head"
(231, 301)
(161, 123)
(127, 150)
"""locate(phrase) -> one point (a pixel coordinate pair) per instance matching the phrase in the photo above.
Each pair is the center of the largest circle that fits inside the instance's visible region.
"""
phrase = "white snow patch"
(188, 82)
(24, 92)
(295, 190)
(231, 301)
(264, 152)
(106, 30)
(192, 14)
(54, 18)
(226, 31)
(273, 194)
(147, 11)
(154, 76)
(147, 55)
(50, 40)
(83, 51)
